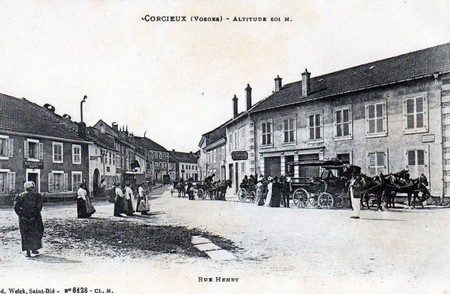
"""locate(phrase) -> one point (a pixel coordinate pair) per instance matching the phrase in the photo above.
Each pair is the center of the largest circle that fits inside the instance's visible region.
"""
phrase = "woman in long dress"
(84, 206)
(269, 192)
(120, 202)
(129, 196)
(28, 206)
(142, 201)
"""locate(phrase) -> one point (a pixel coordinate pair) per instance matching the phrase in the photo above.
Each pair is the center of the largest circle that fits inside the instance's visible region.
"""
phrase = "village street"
(276, 249)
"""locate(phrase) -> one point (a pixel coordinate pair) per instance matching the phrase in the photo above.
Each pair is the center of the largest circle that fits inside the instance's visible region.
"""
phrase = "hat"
(127, 183)
(269, 178)
(28, 185)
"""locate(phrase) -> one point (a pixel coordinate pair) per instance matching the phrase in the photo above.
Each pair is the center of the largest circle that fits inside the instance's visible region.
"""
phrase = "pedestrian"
(355, 186)
(120, 204)
(269, 192)
(277, 190)
(129, 196)
(190, 190)
(28, 206)
(142, 201)
(84, 205)
(259, 193)
(287, 190)
(103, 188)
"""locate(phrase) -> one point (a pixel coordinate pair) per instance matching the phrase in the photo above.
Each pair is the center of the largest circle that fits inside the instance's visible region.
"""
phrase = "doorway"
(95, 182)
(34, 176)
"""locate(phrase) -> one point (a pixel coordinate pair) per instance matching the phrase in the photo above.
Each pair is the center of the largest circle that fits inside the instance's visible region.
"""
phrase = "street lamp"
(81, 106)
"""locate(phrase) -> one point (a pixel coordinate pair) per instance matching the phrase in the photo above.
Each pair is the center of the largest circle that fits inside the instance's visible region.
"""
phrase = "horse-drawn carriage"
(328, 190)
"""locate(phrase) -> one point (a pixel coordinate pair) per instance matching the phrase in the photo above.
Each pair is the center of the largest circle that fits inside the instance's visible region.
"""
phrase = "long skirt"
(142, 204)
(81, 208)
(120, 205)
(31, 231)
(130, 209)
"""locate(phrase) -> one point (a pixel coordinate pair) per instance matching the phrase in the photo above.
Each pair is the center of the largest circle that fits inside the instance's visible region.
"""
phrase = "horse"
(372, 186)
(419, 186)
(222, 189)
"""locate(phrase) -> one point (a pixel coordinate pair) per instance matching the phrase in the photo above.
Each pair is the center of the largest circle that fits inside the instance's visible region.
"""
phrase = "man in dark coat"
(28, 206)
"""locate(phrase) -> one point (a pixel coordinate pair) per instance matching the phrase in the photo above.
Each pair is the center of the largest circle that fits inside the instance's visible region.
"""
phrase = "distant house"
(37, 145)
(184, 165)
(155, 155)
(212, 153)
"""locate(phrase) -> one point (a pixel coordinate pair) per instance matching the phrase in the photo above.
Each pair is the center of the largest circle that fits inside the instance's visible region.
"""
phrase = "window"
(6, 147)
(236, 140)
(33, 150)
(342, 123)
(376, 119)
(57, 152)
(266, 133)
(415, 113)
(243, 168)
(57, 181)
(289, 130)
(230, 142)
(242, 138)
(7, 181)
(76, 180)
(315, 126)
(214, 155)
(416, 161)
(76, 154)
(377, 163)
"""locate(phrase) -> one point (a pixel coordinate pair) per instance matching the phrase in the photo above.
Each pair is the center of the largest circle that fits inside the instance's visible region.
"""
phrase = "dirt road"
(277, 250)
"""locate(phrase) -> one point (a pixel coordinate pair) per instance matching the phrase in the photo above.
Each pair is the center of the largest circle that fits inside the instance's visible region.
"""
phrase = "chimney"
(235, 106)
(306, 85)
(115, 126)
(248, 90)
(278, 83)
(82, 130)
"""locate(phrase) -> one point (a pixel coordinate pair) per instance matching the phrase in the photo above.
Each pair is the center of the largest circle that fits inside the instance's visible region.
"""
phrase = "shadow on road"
(53, 259)
(383, 219)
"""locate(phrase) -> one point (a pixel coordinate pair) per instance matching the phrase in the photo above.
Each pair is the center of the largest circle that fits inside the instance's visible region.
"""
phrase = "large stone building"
(212, 154)
(184, 166)
(384, 116)
(37, 145)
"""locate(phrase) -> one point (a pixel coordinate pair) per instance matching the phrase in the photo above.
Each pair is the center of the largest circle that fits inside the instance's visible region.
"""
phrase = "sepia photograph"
(206, 146)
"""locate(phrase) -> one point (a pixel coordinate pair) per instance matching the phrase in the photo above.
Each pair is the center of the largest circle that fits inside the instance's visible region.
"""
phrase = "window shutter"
(384, 118)
(425, 112)
(405, 112)
(26, 152)
(10, 152)
(51, 183)
(350, 122)
(41, 151)
(66, 182)
(366, 115)
(12, 181)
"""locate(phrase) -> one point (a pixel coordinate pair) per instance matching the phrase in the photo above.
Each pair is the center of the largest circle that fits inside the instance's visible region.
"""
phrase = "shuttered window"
(266, 133)
(57, 152)
(289, 130)
(415, 111)
(33, 150)
(315, 126)
(58, 182)
(376, 123)
(6, 147)
(342, 123)
(377, 163)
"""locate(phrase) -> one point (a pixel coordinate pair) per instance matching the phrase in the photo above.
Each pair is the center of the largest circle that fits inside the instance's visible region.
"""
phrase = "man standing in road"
(355, 186)
(28, 206)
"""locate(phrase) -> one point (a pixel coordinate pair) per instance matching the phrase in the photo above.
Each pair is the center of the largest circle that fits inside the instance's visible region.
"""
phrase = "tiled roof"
(149, 144)
(387, 71)
(184, 156)
(100, 138)
(21, 115)
(216, 134)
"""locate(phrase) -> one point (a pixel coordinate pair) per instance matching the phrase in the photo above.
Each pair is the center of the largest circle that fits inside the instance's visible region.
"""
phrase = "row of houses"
(384, 116)
(57, 153)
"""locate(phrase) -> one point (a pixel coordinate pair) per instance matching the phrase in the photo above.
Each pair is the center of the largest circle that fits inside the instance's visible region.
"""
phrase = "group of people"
(127, 203)
(270, 191)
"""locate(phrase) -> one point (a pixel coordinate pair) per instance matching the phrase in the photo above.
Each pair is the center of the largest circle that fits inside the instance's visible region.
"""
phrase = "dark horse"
(222, 189)
(372, 186)
(401, 182)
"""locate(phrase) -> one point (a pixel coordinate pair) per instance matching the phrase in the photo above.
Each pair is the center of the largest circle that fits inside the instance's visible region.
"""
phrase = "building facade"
(212, 154)
(184, 166)
(37, 145)
(384, 116)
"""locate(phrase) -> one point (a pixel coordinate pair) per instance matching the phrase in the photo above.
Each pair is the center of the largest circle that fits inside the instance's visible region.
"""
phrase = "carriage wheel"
(325, 200)
(252, 197)
(241, 194)
(301, 197)
(201, 194)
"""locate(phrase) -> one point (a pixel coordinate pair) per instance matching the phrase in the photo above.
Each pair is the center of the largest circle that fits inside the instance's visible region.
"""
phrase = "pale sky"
(175, 81)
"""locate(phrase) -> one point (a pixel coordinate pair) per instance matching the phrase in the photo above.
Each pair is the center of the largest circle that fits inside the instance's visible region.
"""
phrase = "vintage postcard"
(206, 146)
